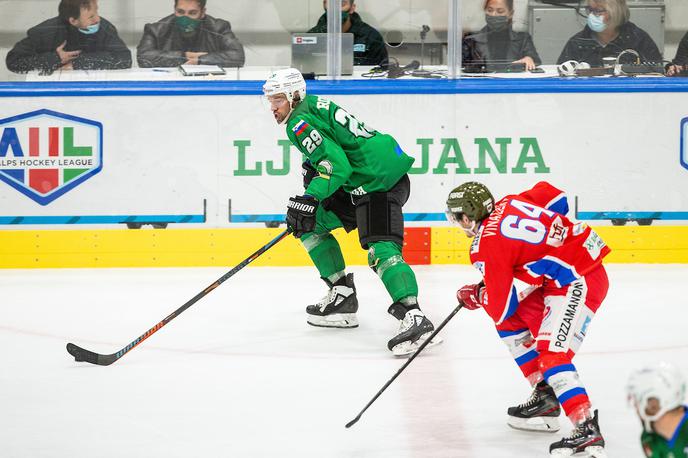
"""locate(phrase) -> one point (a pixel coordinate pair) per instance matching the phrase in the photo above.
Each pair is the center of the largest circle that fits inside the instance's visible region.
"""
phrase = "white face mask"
(596, 23)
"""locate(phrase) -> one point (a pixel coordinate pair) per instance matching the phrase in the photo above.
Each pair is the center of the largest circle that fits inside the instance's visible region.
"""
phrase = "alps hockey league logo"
(44, 154)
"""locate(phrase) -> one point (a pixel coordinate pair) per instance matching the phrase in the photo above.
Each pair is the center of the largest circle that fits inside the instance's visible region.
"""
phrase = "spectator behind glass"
(497, 43)
(77, 39)
(607, 33)
(680, 62)
(190, 36)
(369, 47)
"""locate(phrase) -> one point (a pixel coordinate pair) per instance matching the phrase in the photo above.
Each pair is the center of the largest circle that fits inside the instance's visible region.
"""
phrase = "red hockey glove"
(471, 296)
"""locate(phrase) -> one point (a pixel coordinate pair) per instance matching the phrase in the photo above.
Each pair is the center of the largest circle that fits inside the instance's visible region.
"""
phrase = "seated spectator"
(609, 32)
(369, 47)
(658, 394)
(190, 36)
(680, 63)
(496, 44)
(77, 39)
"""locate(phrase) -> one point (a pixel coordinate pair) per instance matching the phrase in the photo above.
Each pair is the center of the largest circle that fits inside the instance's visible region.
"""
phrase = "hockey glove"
(471, 296)
(301, 214)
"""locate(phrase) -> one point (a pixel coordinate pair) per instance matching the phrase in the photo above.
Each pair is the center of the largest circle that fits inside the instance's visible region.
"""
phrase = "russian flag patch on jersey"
(300, 127)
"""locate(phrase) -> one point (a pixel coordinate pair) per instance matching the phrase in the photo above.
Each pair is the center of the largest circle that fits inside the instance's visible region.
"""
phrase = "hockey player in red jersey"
(527, 237)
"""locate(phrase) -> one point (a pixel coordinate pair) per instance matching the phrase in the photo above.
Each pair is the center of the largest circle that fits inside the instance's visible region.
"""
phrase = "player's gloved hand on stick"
(301, 214)
(471, 296)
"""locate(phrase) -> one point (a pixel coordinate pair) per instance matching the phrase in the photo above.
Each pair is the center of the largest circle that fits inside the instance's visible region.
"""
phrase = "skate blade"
(537, 424)
(408, 348)
(594, 451)
(336, 320)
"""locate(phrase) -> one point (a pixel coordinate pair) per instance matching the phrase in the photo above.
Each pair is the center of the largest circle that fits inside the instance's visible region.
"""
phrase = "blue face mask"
(91, 29)
(596, 23)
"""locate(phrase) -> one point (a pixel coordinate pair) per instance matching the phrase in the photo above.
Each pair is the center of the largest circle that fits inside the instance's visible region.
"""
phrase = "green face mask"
(187, 24)
(345, 16)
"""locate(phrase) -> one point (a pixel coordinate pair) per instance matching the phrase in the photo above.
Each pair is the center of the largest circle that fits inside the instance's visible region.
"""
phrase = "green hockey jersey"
(655, 446)
(345, 152)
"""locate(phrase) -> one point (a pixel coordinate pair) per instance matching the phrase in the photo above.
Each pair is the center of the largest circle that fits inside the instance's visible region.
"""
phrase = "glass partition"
(381, 38)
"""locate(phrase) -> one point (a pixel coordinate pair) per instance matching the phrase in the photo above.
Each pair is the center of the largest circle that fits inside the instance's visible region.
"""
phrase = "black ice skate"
(338, 308)
(585, 438)
(414, 329)
(539, 413)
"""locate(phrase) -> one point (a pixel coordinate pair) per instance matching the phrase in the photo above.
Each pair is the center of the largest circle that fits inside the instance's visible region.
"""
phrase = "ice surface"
(240, 374)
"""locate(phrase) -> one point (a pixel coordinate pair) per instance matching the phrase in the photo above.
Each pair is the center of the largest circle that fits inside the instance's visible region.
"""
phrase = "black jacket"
(476, 49)
(369, 47)
(162, 44)
(100, 51)
(583, 47)
(682, 52)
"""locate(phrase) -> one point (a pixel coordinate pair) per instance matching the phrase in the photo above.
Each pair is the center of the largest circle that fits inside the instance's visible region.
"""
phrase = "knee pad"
(521, 345)
(379, 218)
(383, 256)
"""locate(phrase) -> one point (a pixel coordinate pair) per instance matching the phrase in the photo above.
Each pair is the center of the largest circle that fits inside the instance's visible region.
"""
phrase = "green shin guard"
(325, 253)
(399, 280)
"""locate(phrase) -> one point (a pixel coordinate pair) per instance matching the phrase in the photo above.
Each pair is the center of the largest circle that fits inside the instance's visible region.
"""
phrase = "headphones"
(570, 67)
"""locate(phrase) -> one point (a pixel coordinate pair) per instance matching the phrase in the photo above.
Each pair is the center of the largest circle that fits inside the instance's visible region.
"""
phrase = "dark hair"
(509, 4)
(72, 8)
(200, 2)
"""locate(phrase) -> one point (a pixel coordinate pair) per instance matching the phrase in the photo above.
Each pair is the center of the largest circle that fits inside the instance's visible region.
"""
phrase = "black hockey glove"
(301, 214)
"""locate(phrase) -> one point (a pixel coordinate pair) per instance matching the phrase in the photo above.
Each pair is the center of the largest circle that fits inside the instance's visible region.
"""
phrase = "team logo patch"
(44, 154)
(325, 169)
(300, 127)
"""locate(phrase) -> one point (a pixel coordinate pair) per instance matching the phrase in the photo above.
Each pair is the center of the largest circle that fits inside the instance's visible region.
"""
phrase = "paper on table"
(200, 70)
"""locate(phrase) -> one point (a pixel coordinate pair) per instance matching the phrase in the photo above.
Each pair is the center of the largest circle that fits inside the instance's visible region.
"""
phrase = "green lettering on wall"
(451, 145)
(424, 157)
(529, 144)
(70, 149)
(485, 149)
(286, 149)
(241, 170)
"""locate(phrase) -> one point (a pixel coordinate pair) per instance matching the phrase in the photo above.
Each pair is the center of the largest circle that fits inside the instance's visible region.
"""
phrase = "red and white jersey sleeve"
(525, 237)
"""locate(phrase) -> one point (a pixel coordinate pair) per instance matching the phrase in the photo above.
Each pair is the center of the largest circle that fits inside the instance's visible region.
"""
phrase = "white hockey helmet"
(288, 82)
(661, 381)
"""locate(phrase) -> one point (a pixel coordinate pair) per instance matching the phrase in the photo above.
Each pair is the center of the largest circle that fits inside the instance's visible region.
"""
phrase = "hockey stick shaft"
(401, 369)
(81, 354)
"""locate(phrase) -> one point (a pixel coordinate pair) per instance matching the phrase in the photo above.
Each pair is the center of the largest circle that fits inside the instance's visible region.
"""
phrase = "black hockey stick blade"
(401, 369)
(83, 355)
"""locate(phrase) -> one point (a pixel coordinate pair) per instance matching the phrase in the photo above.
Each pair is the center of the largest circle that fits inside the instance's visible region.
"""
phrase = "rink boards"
(227, 247)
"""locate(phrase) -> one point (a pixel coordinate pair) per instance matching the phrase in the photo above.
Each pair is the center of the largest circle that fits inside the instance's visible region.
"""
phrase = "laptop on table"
(309, 53)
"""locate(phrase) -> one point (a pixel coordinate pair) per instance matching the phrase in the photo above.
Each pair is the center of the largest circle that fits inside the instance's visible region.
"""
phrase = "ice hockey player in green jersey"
(657, 393)
(354, 177)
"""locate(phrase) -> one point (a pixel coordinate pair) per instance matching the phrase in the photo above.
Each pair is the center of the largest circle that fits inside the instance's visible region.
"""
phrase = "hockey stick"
(416, 353)
(81, 354)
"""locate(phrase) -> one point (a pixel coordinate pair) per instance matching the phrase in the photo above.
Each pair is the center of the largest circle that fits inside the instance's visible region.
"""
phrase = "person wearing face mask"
(607, 33)
(496, 44)
(369, 47)
(189, 36)
(78, 38)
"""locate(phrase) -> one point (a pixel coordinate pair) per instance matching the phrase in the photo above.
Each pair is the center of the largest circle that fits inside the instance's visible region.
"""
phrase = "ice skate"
(338, 308)
(585, 441)
(539, 413)
(414, 329)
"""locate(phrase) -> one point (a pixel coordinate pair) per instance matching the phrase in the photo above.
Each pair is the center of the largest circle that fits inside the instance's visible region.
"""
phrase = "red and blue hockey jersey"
(527, 236)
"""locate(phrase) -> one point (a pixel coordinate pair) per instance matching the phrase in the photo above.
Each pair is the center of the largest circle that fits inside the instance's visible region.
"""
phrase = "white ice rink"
(241, 374)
